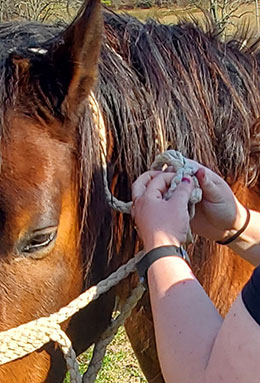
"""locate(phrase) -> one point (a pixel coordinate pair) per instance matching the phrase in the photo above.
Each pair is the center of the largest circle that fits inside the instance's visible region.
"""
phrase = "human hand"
(161, 222)
(219, 214)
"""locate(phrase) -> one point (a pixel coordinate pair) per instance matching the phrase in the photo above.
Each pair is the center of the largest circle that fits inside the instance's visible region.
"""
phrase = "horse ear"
(76, 54)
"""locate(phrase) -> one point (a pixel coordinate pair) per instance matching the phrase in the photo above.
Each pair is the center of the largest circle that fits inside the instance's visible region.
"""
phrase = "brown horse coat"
(158, 87)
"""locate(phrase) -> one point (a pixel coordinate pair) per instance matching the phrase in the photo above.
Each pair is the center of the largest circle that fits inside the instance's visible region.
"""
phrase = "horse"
(157, 87)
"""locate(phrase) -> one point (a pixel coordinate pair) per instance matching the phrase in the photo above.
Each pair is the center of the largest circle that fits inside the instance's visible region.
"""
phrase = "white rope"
(178, 165)
(169, 158)
(108, 335)
(24, 339)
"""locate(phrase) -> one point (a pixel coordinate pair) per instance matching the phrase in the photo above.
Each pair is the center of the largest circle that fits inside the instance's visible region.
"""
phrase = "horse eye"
(40, 240)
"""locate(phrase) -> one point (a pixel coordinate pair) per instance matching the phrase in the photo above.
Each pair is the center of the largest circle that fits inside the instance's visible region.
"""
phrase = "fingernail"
(185, 179)
(202, 174)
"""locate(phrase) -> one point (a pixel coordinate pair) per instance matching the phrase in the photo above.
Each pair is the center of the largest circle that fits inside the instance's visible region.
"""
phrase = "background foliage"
(225, 13)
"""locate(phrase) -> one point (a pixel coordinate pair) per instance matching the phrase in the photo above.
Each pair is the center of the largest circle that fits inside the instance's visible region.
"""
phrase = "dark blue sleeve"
(251, 295)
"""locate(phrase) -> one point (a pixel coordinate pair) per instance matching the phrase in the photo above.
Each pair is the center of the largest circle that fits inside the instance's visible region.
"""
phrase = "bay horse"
(158, 87)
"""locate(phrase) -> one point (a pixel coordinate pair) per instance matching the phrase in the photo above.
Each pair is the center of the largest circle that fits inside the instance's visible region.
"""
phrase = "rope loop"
(178, 164)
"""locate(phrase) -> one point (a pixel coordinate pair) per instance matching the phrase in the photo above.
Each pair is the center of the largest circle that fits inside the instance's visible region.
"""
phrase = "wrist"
(235, 233)
(156, 254)
(159, 239)
(241, 217)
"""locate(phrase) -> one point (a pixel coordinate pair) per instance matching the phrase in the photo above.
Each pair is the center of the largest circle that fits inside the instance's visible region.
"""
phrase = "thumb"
(210, 190)
(183, 191)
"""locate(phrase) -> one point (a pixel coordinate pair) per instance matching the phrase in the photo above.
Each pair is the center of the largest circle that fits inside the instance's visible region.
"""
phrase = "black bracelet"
(159, 252)
(235, 236)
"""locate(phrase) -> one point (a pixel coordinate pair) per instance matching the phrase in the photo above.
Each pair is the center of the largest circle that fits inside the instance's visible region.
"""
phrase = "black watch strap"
(159, 252)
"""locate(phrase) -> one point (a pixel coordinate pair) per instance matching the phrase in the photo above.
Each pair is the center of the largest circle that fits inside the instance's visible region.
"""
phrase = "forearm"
(247, 245)
(186, 322)
(234, 357)
(194, 344)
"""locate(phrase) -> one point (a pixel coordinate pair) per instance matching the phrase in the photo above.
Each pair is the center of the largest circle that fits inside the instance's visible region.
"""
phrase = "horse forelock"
(28, 42)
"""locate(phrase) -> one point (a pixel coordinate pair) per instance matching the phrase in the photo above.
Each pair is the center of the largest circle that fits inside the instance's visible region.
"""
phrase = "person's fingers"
(170, 169)
(200, 174)
(183, 191)
(140, 185)
(159, 185)
(211, 191)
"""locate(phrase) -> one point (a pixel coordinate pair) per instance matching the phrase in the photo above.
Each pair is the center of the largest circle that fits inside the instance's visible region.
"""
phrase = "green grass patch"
(119, 364)
(107, 3)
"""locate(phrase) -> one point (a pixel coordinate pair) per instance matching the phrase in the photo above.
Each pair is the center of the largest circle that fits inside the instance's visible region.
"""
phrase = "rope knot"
(178, 164)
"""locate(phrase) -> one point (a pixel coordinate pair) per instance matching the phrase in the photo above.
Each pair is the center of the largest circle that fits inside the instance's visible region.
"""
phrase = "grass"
(164, 15)
(119, 364)
(245, 14)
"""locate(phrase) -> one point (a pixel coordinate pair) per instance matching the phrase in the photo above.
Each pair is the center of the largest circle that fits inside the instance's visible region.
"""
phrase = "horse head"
(43, 191)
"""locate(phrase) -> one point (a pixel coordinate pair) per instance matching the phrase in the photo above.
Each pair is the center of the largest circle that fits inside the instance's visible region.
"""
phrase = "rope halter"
(26, 338)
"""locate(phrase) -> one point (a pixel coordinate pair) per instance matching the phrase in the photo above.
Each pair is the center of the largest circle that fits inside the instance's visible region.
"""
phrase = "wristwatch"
(159, 252)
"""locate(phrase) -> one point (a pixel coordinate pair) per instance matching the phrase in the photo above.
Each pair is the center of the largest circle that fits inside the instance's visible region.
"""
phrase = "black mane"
(205, 92)
(17, 36)
(175, 82)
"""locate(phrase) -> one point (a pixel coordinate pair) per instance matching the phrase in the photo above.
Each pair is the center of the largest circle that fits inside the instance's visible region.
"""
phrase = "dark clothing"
(251, 295)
